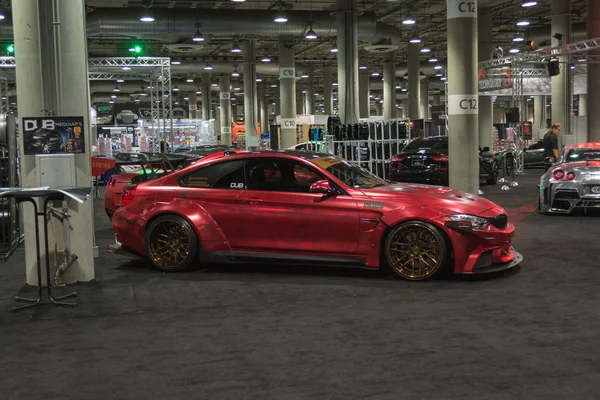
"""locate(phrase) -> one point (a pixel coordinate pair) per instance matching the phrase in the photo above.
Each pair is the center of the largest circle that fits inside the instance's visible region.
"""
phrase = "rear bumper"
(425, 177)
(565, 197)
(130, 230)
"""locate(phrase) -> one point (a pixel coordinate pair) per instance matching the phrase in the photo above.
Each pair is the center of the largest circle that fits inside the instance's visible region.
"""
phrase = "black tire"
(174, 232)
(415, 233)
(493, 177)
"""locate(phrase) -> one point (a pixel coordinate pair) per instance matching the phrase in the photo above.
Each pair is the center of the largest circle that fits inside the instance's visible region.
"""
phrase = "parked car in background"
(305, 207)
(426, 161)
(573, 182)
(534, 155)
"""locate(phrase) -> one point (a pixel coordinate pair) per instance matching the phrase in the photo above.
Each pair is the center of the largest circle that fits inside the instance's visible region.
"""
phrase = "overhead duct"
(178, 24)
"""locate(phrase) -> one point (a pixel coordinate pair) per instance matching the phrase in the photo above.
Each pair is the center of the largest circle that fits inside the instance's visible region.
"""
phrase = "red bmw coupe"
(305, 207)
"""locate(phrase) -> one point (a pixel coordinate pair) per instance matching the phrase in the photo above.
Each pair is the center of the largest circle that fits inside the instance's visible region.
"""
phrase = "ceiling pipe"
(178, 24)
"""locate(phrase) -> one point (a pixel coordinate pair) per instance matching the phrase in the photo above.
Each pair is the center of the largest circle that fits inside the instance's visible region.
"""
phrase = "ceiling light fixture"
(198, 91)
(362, 67)
(235, 72)
(518, 38)
(514, 50)
(186, 97)
(529, 3)
(310, 35)
(189, 79)
(334, 48)
(375, 73)
(236, 48)
(425, 49)
(113, 96)
(266, 59)
(334, 84)
(147, 16)
(126, 68)
(304, 75)
(116, 89)
(175, 62)
(176, 88)
(408, 20)
(137, 100)
(120, 80)
(280, 16)
(111, 101)
(398, 87)
(433, 59)
(523, 22)
(198, 36)
(208, 67)
(415, 39)
(258, 79)
(438, 67)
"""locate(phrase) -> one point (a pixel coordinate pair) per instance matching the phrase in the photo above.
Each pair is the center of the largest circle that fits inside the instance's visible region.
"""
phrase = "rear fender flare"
(209, 234)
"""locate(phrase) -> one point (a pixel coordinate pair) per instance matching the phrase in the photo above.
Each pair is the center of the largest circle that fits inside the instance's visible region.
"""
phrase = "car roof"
(589, 145)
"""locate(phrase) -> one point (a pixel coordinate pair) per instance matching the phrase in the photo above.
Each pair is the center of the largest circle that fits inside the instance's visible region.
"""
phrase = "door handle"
(254, 200)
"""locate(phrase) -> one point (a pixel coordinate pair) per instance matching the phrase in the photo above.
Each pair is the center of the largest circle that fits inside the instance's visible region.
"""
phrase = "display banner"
(438, 115)
(495, 79)
(53, 135)
(101, 164)
(461, 9)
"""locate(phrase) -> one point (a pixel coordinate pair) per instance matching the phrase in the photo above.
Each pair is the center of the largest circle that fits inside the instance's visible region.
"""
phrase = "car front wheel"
(416, 250)
(171, 243)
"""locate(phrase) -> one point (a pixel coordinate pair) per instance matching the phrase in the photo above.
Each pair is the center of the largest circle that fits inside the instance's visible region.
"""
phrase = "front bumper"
(483, 251)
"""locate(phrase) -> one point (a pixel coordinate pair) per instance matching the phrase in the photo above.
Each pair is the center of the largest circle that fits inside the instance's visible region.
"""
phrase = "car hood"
(442, 199)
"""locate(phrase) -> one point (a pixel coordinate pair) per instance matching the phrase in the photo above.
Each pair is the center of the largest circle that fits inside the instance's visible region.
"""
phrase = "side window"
(224, 175)
(280, 175)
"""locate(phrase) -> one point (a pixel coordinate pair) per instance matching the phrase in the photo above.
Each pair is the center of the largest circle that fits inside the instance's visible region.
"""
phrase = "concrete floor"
(257, 332)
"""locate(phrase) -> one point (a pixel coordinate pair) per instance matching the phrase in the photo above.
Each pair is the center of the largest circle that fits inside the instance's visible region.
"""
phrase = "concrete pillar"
(328, 90)
(287, 89)
(309, 98)
(363, 95)
(206, 97)
(347, 56)
(583, 105)
(225, 111)
(486, 107)
(593, 74)
(539, 117)
(424, 101)
(379, 108)
(52, 80)
(250, 95)
(277, 105)
(561, 84)
(299, 101)
(414, 89)
(463, 123)
(193, 105)
(437, 99)
(264, 108)
(389, 87)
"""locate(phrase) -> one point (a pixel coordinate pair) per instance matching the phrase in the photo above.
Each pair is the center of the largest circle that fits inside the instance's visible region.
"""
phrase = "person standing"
(551, 142)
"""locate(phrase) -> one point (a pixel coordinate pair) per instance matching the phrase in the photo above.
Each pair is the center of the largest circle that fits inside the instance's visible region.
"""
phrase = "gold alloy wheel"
(415, 251)
(169, 244)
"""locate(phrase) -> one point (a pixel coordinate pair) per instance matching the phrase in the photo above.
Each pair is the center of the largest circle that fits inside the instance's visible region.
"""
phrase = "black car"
(44, 141)
(426, 161)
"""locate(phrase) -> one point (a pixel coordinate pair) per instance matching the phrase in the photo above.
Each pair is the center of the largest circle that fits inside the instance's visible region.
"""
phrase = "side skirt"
(252, 257)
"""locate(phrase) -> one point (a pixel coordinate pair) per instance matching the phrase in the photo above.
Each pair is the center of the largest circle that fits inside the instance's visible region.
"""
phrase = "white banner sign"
(287, 72)
(463, 104)
(288, 123)
(462, 9)
(225, 95)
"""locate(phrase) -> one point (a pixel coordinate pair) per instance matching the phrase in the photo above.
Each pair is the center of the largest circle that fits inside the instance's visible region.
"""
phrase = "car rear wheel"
(171, 243)
(416, 250)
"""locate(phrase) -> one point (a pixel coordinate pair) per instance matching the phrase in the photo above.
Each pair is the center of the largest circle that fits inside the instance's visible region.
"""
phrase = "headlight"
(470, 221)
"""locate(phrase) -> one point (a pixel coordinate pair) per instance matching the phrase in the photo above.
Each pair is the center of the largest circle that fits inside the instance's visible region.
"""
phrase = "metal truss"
(4, 94)
(7, 62)
(570, 53)
(129, 62)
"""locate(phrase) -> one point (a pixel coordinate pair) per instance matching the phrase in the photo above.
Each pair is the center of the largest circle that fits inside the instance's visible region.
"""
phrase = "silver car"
(573, 182)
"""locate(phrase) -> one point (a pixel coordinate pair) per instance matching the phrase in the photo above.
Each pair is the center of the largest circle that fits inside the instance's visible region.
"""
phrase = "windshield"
(350, 174)
(427, 144)
(583, 155)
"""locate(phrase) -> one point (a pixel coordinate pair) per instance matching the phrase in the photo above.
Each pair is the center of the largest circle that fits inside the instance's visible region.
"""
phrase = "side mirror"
(322, 186)
(486, 149)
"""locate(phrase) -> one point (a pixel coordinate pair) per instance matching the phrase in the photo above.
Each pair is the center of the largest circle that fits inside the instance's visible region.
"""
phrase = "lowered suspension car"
(573, 182)
(306, 207)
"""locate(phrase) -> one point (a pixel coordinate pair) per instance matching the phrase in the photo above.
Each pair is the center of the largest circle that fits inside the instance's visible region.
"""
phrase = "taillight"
(126, 199)
(558, 175)
(571, 176)
(397, 158)
(442, 158)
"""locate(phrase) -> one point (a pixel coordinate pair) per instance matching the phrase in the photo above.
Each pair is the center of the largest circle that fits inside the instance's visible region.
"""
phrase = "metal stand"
(37, 301)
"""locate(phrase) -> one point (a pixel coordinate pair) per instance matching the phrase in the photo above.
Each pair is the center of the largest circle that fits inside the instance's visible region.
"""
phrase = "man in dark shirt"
(551, 142)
